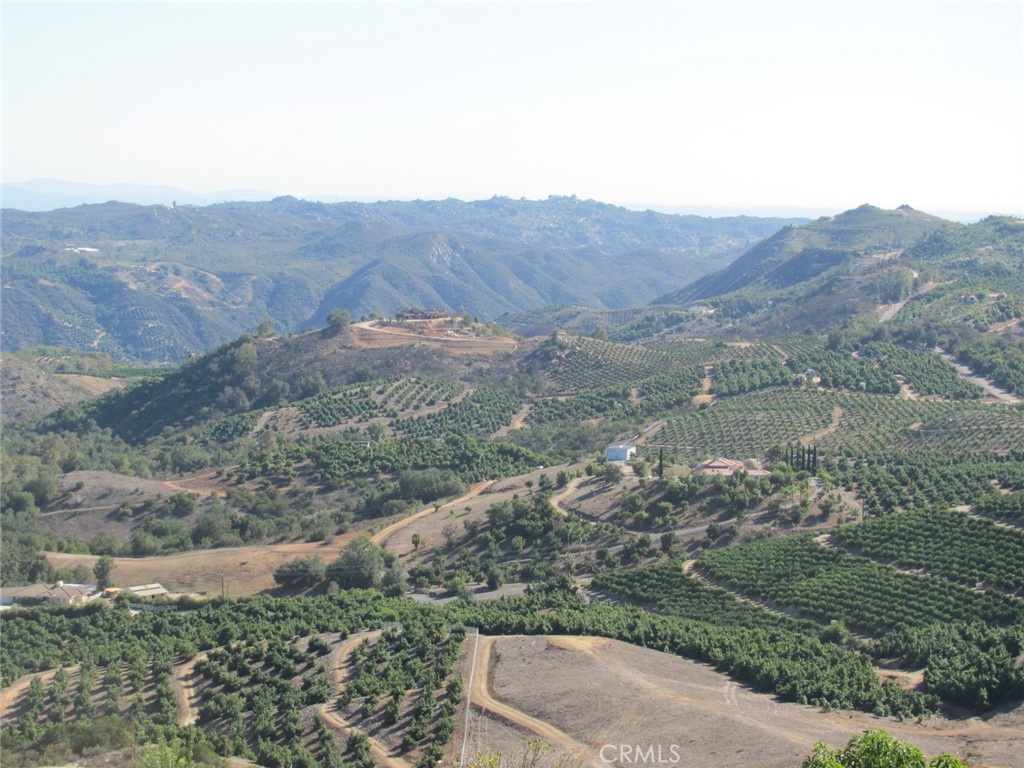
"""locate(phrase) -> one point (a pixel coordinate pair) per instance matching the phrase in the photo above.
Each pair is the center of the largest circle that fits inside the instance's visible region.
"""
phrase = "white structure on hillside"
(619, 452)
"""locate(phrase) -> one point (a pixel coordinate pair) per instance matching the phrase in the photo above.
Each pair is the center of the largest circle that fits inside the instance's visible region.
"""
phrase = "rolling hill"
(821, 276)
(799, 254)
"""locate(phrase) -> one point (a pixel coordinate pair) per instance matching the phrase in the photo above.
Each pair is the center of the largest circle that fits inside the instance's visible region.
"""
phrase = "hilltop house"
(718, 466)
(726, 467)
(419, 313)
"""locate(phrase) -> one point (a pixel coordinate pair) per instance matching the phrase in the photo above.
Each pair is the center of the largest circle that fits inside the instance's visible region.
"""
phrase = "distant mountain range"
(160, 282)
(51, 194)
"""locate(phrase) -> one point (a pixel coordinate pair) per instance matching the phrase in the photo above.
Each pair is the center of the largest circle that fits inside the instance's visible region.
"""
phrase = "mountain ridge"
(159, 283)
(823, 243)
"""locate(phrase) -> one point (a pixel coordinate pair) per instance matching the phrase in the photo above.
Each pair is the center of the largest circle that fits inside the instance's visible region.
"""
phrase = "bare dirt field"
(602, 693)
(370, 336)
(241, 571)
(94, 385)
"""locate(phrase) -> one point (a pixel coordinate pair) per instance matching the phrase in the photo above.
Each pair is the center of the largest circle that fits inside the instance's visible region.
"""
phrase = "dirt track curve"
(383, 535)
(564, 493)
(334, 720)
(184, 686)
(481, 695)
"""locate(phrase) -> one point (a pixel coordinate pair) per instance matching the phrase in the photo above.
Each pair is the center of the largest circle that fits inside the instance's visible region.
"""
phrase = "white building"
(619, 452)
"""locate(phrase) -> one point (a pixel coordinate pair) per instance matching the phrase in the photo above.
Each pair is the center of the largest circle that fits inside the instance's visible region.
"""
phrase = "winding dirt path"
(10, 695)
(813, 437)
(481, 694)
(705, 397)
(337, 674)
(887, 312)
(261, 422)
(564, 493)
(385, 533)
(519, 420)
(184, 684)
(205, 482)
(178, 488)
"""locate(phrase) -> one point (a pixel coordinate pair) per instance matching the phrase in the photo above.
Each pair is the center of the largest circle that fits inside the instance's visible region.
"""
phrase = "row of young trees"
(798, 660)
(891, 480)
(950, 544)
(903, 611)
(335, 462)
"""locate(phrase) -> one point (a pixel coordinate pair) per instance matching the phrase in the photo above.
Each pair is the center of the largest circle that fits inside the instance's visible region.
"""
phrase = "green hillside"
(799, 254)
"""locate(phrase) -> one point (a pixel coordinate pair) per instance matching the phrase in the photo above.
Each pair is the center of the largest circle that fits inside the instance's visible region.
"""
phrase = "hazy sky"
(820, 104)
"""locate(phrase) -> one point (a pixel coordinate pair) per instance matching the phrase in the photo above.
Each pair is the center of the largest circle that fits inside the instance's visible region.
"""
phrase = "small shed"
(148, 590)
(620, 452)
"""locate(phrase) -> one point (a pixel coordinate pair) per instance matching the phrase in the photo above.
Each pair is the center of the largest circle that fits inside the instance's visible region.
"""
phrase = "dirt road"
(383, 535)
(705, 395)
(813, 437)
(184, 685)
(335, 720)
(239, 571)
(968, 375)
(518, 422)
(481, 696)
(367, 334)
(563, 494)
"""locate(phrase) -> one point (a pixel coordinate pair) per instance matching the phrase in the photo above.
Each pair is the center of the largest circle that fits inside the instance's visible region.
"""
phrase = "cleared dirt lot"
(370, 336)
(244, 570)
(93, 385)
(605, 694)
